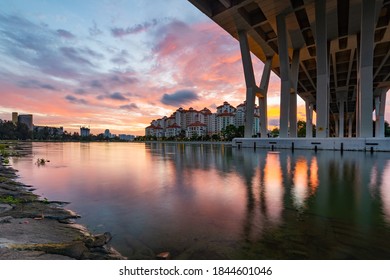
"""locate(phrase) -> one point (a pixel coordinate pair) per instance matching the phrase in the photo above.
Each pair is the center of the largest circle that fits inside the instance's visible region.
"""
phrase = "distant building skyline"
(27, 119)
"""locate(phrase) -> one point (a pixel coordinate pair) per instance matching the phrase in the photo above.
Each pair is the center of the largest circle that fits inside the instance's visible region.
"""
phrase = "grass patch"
(4, 152)
(9, 199)
(3, 179)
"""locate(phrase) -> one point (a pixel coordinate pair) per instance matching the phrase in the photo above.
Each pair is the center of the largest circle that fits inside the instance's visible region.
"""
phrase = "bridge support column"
(284, 76)
(341, 99)
(350, 125)
(263, 99)
(322, 70)
(250, 83)
(293, 96)
(309, 119)
(380, 104)
(365, 78)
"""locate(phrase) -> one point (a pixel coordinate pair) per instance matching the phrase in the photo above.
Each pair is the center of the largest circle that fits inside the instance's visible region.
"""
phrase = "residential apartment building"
(201, 123)
(196, 129)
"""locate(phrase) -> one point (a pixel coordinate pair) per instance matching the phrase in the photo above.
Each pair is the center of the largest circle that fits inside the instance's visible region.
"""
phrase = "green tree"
(7, 130)
(301, 126)
(230, 132)
(22, 132)
(216, 137)
(387, 129)
(275, 132)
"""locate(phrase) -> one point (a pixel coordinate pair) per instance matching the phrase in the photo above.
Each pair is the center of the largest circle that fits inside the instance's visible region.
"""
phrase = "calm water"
(216, 202)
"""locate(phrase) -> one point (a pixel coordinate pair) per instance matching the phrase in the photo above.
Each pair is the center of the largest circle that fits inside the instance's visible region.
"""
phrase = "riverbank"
(32, 228)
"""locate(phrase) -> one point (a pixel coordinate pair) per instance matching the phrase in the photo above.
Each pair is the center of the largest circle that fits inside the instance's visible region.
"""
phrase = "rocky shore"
(32, 228)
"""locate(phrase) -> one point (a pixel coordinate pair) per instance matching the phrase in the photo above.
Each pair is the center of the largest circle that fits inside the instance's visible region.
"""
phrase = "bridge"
(334, 54)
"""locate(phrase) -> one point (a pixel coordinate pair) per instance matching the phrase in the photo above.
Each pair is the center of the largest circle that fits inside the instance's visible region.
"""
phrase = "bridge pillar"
(263, 99)
(250, 83)
(309, 119)
(284, 75)
(350, 125)
(293, 96)
(341, 99)
(322, 69)
(365, 76)
(380, 104)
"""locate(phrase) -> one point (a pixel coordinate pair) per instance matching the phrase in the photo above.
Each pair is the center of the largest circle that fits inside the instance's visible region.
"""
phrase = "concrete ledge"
(335, 144)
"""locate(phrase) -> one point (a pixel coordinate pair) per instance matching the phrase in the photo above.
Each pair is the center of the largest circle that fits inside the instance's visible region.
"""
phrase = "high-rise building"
(84, 131)
(27, 120)
(15, 117)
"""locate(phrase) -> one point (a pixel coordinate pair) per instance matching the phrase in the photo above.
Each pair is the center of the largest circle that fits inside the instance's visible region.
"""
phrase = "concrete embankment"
(32, 228)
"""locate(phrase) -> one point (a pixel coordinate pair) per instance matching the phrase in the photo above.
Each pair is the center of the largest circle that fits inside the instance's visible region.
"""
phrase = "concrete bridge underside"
(334, 54)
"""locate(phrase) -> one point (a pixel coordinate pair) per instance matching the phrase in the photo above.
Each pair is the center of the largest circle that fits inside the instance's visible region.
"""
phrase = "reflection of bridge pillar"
(309, 119)
(284, 75)
(263, 99)
(380, 104)
(250, 83)
(366, 60)
(322, 69)
(293, 95)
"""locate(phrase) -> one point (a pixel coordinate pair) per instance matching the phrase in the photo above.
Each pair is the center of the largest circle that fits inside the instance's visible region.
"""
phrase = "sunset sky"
(116, 64)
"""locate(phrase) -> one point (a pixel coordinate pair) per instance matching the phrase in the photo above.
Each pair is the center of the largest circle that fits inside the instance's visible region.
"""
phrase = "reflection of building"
(84, 131)
(26, 119)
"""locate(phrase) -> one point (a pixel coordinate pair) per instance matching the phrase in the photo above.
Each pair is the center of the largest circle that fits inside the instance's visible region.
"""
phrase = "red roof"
(175, 125)
(197, 123)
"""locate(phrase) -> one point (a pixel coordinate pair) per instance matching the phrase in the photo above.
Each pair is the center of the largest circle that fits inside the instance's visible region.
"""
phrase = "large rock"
(98, 240)
(4, 207)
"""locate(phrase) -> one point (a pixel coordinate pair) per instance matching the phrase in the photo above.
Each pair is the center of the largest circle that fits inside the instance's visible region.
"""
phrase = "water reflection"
(212, 201)
(273, 187)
